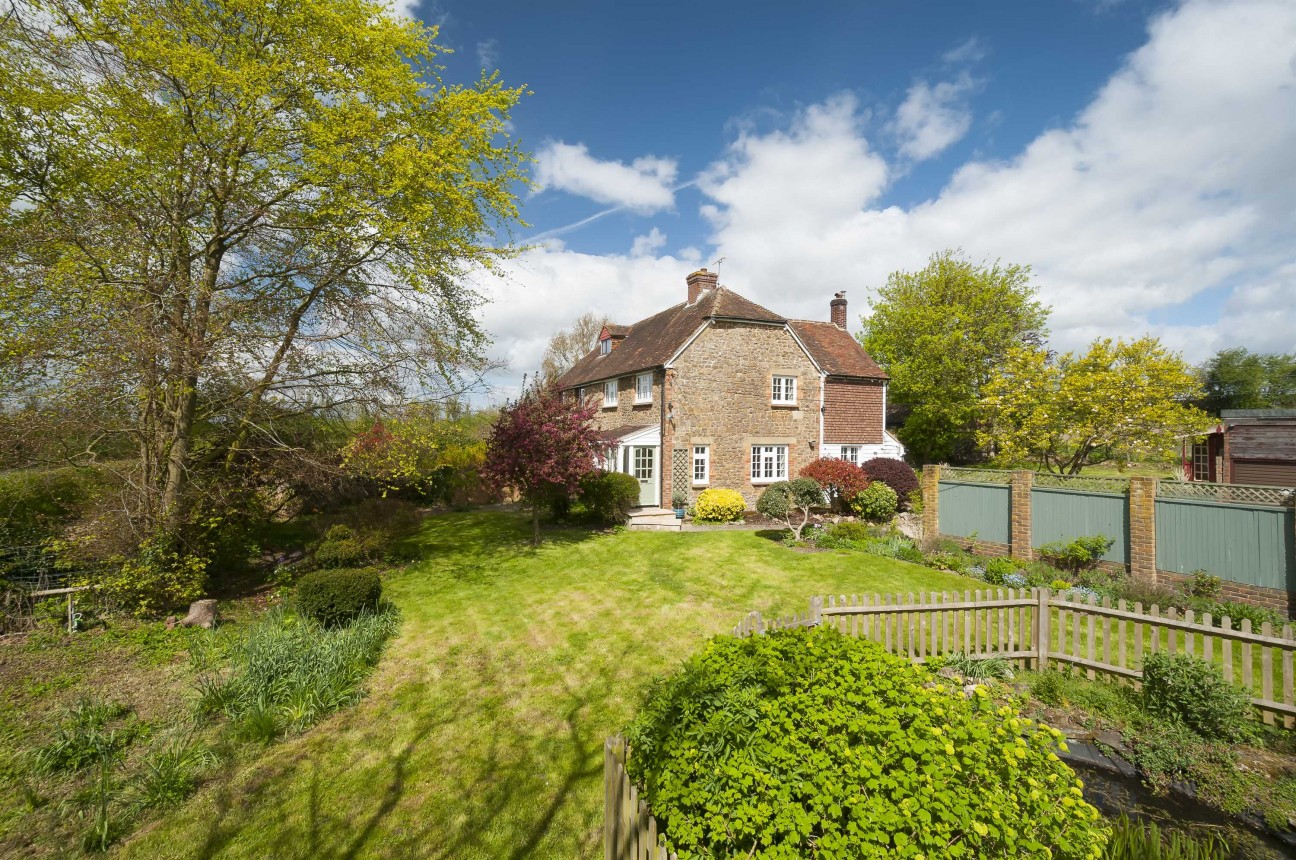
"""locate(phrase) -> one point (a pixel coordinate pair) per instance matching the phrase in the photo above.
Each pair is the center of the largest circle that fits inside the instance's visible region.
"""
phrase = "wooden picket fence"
(1036, 629)
(629, 829)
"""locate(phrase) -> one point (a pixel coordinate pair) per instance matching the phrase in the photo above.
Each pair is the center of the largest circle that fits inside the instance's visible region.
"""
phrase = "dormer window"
(605, 346)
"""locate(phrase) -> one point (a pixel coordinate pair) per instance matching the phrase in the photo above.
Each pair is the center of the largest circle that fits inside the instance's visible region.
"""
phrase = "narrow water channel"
(1114, 794)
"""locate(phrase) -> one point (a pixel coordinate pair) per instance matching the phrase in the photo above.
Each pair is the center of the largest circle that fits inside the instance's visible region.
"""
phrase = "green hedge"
(809, 743)
(338, 595)
(609, 496)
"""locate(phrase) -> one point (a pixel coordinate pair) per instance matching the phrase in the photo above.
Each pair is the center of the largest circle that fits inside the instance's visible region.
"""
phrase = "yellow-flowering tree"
(423, 450)
(1120, 400)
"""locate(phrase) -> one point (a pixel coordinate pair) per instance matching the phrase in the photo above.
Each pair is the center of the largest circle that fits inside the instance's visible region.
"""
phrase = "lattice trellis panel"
(1083, 483)
(680, 477)
(980, 476)
(1243, 494)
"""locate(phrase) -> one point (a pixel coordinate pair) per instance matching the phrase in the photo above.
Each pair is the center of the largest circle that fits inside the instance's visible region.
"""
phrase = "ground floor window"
(850, 453)
(769, 463)
(701, 464)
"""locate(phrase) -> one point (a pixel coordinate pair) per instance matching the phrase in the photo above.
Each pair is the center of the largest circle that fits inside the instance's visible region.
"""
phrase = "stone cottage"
(718, 391)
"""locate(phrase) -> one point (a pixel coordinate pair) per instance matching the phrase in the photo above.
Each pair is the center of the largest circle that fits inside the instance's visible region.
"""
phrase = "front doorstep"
(648, 519)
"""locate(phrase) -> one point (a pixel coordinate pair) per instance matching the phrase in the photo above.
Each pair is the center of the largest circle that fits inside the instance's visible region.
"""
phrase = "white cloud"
(971, 51)
(646, 185)
(488, 54)
(933, 117)
(651, 241)
(1175, 180)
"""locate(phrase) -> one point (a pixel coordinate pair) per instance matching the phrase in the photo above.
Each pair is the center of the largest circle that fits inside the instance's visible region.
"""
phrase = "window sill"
(783, 404)
(701, 483)
(643, 403)
(609, 407)
(758, 482)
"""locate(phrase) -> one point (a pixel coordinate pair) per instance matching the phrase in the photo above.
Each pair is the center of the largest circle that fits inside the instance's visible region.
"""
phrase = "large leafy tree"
(1119, 401)
(941, 333)
(540, 447)
(1237, 379)
(570, 345)
(215, 212)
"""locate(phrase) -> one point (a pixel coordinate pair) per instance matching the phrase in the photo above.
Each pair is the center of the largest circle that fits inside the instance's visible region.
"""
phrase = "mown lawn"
(483, 732)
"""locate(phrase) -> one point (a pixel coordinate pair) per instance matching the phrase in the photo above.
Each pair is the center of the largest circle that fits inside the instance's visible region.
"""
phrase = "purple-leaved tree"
(541, 446)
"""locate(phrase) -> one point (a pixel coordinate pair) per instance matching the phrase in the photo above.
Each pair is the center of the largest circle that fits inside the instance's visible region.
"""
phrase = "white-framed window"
(580, 395)
(610, 394)
(643, 388)
(769, 463)
(701, 464)
(605, 346)
(784, 390)
(850, 453)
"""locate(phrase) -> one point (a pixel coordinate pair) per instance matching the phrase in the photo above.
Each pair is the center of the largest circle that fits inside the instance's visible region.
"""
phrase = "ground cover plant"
(810, 742)
(482, 732)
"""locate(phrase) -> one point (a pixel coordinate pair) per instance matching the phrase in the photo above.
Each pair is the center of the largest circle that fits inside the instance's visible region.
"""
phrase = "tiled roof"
(835, 350)
(615, 330)
(651, 342)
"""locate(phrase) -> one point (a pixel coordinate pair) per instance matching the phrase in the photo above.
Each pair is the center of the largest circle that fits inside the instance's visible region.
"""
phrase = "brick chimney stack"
(699, 282)
(837, 309)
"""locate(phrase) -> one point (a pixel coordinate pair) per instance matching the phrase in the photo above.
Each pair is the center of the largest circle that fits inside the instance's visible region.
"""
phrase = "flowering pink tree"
(541, 446)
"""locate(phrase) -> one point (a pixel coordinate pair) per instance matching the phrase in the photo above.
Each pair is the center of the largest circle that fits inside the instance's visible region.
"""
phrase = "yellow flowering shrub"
(719, 506)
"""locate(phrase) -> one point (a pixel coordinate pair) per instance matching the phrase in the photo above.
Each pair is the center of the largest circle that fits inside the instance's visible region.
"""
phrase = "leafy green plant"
(344, 546)
(160, 576)
(1081, 554)
(998, 568)
(790, 502)
(1050, 688)
(1203, 584)
(289, 672)
(979, 668)
(169, 775)
(84, 737)
(1133, 840)
(896, 474)
(876, 502)
(808, 742)
(955, 562)
(718, 505)
(849, 531)
(337, 596)
(1191, 691)
(609, 496)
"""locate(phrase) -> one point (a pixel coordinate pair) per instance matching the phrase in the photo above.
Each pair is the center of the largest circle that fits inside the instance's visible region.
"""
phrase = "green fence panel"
(980, 509)
(1068, 514)
(1243, 543)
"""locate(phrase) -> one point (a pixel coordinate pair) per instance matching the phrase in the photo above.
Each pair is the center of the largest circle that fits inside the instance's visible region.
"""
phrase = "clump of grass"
(290, 672)
(84, 737)
(975, 668)
(169, 775)
(1131, 840)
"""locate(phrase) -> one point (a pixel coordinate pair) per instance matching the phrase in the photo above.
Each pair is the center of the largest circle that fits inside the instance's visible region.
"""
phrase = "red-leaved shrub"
(841, 479)
(896, 474)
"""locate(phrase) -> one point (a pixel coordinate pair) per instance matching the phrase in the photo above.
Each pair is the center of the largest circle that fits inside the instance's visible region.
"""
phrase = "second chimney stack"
(837, 310)
(699, 282)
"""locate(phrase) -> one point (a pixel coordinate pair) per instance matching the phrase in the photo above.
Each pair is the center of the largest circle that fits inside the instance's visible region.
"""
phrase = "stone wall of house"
(853, 411)
(719, 394)
(626, 411)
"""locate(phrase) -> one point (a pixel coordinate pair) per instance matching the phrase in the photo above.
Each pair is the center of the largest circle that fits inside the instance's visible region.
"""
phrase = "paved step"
(653, 519)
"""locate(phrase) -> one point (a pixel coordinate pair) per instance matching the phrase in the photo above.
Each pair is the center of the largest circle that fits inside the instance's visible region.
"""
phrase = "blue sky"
(1140, 156)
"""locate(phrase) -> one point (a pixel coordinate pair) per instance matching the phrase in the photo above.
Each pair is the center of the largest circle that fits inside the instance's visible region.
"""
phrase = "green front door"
(643, 465)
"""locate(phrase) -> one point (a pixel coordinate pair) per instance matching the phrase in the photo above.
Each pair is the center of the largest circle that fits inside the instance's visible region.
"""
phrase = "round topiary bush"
(338, 595)
(810, 743)
(876, 502)
(609, 496)
(896, 474)
(719, 506)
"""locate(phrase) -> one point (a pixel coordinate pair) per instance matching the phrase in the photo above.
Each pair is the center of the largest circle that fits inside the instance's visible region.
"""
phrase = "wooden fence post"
(815, 618)
(1041, 629)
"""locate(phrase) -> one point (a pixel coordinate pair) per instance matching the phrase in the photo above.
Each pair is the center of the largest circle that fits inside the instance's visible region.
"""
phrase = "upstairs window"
(701, 464)
(605, 346)
(643, 388)
(610, 394)
(784, 390)
(769, 463)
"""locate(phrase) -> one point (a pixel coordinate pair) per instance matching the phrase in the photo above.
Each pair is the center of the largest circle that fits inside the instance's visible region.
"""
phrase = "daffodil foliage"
(211, 209)
(1119, 401)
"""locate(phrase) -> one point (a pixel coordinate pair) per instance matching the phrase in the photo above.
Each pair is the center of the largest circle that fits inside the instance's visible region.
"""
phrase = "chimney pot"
(837, 310)
(700, 282)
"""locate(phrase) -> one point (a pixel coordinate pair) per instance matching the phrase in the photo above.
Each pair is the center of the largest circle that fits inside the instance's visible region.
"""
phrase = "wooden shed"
(1248, 446)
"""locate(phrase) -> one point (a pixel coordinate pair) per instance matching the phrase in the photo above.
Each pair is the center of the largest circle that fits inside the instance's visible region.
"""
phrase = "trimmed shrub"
(344, 546)
(338, 595)
(876, 502)
(849, 532)
(718, 505)
(790, 501)
(810, 743)
(1191, 691)
(896, 474)
(609, 496)
(1079, 555)
(839, 478)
